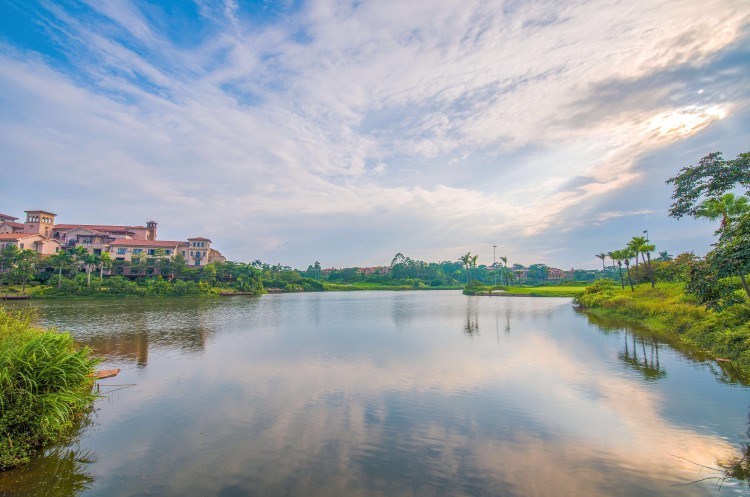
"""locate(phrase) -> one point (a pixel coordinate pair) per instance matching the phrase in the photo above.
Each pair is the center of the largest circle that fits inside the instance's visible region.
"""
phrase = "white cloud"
(253, 125)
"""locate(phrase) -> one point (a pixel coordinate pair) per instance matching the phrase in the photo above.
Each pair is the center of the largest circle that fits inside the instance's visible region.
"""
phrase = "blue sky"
(348, 131)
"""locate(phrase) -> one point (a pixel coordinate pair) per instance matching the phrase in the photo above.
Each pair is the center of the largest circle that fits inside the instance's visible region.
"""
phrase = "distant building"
(40, 233)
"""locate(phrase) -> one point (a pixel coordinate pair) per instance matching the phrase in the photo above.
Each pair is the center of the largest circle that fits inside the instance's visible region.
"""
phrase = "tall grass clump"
(45, 386)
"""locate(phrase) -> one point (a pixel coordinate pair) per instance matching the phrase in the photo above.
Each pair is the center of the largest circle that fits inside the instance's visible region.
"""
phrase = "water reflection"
(60, 472)
(647, 363)
(724, 372)
(375, 394)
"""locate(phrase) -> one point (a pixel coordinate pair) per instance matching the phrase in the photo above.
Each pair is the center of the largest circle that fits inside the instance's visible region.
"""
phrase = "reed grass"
(45, 386)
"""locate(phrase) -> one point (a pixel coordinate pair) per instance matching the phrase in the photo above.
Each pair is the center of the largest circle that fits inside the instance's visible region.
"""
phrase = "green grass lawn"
(537, 291)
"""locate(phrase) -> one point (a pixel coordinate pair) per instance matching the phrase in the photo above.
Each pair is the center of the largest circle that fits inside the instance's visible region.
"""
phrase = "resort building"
(40, 233)
(24, 241)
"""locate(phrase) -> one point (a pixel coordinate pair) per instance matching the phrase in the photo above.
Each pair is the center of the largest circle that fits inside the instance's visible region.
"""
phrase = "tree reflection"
(62, 471)
(723, 371)
(640, 359)
(472, 325)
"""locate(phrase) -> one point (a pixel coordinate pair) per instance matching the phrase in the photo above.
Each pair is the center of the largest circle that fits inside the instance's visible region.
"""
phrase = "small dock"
(23, 296)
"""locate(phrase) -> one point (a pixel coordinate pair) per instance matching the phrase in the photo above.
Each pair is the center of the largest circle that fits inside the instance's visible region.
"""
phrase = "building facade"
(40, 233)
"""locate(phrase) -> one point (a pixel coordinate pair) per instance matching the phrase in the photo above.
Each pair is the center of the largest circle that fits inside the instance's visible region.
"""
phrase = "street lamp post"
(646, 232)
(494, 263)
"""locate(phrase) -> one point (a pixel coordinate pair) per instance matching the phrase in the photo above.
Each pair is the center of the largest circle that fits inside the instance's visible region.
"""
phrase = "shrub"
(45, 386)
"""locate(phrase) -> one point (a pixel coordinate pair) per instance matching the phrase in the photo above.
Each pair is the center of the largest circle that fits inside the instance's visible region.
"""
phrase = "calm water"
(385, 393)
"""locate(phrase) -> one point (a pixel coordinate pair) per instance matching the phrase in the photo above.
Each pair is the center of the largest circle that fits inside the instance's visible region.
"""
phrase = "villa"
(40, 234)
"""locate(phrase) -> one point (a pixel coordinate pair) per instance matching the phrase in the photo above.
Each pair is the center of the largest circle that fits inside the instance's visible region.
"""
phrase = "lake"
(427, 393)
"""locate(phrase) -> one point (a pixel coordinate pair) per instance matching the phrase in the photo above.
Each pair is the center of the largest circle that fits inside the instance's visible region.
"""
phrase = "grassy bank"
(724, 334)
(45, 387)
(338, 287)
(528, 291)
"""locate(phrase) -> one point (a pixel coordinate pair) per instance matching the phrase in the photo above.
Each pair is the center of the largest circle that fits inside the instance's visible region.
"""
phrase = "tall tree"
(25, 266)
(60, 260)
(618, 255)
(710, 179)
(105, 262)
(634, 245)
(645, 249)
(727, 207)
(602, 256)
(626, 254)
(466, 261)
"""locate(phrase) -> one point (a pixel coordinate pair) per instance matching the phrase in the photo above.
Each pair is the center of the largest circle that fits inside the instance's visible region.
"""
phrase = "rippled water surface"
(386, 393)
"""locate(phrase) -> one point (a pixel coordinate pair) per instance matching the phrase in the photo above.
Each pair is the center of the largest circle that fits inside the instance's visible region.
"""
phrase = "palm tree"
(466, 261)
(618, 255)
(602, 256)
(474, 263)
(726, 207)
(505, 268)
(90, 261)
(664, 256)
(645, 250)
(105, 262)
(60, 260)
(627, 253)
(634, 244)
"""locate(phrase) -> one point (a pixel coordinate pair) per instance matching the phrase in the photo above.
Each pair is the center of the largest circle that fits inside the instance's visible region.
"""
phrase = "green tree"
(727, 207)
(645, 249)
(466, 261)
(8, 257)
(710, 179)
(25, 266)
(105, 262)
(664, 256)
(627, 253)
(732, 253)
(60, 260)
(92, 262)
(602, 256)
(618, 255)
(634, 245)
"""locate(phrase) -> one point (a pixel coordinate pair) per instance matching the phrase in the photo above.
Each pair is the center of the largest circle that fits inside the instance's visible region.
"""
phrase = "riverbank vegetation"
(705, 301)
(45, 387)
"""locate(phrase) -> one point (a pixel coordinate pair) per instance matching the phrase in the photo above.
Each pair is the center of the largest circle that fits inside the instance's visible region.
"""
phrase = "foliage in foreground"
(45, 386)
(667, 308)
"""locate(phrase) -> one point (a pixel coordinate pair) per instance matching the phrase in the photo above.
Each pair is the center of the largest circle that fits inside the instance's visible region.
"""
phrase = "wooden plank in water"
(106, 373)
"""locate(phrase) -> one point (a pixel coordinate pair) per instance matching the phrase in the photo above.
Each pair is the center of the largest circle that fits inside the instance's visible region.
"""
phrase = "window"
(137, 251)
(151, 251)
(20, 245)
(87, 241)
(167, 252)
(121, 250)
(183, 253)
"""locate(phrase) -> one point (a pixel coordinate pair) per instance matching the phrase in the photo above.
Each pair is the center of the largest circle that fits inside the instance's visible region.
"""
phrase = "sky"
(348, 131)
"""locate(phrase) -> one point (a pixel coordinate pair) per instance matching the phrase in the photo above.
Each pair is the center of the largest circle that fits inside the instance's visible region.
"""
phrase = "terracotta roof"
(16, 236)
(5, 216)
(97, 227)
(12, 224)
(127, 242)
(200, 238)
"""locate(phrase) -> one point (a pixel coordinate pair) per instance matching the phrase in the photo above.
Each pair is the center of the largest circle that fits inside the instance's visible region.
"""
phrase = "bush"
(45, 386)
